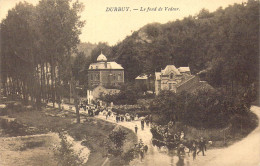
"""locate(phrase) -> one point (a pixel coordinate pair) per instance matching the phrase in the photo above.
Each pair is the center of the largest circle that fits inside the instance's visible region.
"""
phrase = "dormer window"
(171, 76)
(96, 67)
(91, 67)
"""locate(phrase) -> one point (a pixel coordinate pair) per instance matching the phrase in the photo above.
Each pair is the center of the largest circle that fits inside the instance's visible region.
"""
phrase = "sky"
(112, 27)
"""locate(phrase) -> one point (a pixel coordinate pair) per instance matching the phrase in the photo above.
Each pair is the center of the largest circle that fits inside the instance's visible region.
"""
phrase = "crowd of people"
(178, 139)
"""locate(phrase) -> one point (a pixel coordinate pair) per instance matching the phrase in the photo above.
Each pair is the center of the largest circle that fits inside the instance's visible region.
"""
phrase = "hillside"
(86, 48)
(223, 44)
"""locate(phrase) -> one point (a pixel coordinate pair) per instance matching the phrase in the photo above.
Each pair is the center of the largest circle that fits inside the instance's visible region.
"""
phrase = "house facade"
(170, 77)
(108, 75)
(178, 80)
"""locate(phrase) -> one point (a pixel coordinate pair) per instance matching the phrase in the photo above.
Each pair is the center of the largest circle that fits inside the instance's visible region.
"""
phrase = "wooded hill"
(223, 44)
(86, 47)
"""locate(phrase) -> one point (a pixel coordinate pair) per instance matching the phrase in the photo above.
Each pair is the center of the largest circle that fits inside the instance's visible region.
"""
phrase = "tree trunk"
(48, 85)
(52, 85)
(76, 100)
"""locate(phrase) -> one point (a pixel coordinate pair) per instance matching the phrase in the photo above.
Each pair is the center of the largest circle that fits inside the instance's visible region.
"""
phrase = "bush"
(127, 95)
(205, 109)
(129, 155)
(65, 154)
(118, 137)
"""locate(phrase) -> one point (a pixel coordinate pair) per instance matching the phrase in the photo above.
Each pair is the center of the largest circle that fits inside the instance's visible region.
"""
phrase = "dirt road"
(243, 153)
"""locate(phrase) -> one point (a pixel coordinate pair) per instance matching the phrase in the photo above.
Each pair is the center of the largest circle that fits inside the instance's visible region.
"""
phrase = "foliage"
(127, 95)
(37, 43)
(205, 109)
(224, 44)
(65, 154)
(118, 137)
(129, 155)
(86, 48)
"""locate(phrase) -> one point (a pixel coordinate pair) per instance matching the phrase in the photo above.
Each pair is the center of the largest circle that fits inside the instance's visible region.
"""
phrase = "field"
(91, 131)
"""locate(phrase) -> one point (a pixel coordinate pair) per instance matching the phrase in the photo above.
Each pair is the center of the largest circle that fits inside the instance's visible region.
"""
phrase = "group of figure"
(92, 110)
(195, 147)
(141, 149)
(120, 118)
(142, 125)
(125, 117)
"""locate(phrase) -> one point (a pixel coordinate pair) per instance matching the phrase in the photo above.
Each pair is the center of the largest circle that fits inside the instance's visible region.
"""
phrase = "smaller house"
(95, 93)
(145, 82)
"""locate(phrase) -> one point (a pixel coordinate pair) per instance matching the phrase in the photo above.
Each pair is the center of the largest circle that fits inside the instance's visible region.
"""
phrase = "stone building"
(109, 75)
(178, 80)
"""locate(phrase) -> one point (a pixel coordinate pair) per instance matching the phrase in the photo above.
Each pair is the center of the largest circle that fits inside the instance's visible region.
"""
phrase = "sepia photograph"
(129, 83)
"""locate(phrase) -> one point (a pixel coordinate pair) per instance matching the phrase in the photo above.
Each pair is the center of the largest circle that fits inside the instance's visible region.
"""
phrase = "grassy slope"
(92, 130)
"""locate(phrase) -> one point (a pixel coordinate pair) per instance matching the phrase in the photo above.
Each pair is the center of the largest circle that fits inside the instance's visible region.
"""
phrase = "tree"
(37, 43)
(118, 136)
(60, 26)
(19, 47)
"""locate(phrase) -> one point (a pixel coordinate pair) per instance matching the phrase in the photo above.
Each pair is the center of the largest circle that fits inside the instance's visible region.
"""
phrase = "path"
(154, 156)
(242, 153)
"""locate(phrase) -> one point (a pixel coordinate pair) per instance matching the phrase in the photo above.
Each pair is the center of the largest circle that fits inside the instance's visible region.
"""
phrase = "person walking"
(194, 150)
(142, 154)
(117, 118)
(202, 146)
(136, 128)
(142, 124)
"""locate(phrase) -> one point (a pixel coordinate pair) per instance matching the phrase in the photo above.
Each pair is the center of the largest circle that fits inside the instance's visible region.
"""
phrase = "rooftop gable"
(170, 68)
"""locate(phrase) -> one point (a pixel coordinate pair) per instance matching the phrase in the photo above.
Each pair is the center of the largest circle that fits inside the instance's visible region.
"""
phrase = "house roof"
(102, 65)
(185, 81)
(184, 69)
(142, 77)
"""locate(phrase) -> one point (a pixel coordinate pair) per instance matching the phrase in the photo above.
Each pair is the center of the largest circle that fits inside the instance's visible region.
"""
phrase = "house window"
(91, 77)
(119, 77)
(171, 76)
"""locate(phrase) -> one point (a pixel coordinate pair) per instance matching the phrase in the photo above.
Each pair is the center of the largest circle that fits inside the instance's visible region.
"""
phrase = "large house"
(103, 77)
(178, 80)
